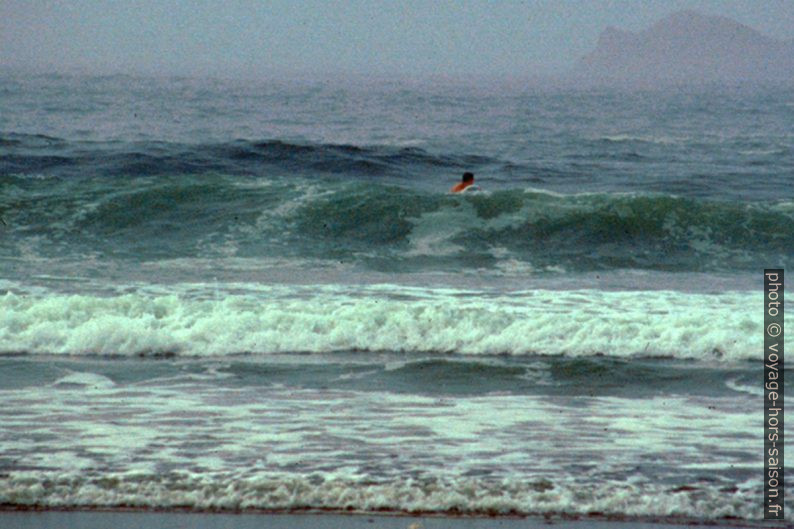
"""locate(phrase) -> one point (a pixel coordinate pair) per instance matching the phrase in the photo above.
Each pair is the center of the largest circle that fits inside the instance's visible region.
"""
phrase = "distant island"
(688, 47)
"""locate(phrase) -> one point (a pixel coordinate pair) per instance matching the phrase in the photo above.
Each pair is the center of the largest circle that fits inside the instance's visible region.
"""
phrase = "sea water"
(228, 295)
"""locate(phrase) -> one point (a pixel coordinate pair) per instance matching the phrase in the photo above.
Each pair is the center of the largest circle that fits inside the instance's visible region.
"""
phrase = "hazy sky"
(306, 37)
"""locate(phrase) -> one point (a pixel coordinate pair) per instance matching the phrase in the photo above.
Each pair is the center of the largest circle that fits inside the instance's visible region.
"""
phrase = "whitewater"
(218, 295)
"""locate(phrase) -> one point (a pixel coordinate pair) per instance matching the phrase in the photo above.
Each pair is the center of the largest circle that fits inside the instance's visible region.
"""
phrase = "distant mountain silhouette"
(688, 47)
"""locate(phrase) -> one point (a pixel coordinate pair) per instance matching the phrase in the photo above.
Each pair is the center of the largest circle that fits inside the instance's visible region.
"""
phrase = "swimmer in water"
(466, 181)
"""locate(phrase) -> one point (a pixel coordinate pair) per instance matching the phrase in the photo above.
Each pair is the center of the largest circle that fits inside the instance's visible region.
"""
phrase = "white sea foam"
(661, 140)
(385, 318)
(86, 380)
(433, 232)
(785, 206)
(243, 491)
(197, 438)
(744, 388)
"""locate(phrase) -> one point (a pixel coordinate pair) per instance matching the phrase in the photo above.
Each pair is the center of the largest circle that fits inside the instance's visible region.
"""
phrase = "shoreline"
(121, 517)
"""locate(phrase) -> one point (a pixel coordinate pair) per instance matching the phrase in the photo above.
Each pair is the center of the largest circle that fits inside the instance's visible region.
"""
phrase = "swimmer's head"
(468, 177)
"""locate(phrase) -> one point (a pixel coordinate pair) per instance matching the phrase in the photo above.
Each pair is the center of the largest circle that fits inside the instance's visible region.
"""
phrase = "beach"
(157, 520)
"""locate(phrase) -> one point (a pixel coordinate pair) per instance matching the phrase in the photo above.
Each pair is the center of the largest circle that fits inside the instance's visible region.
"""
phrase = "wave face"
(45, 156)
(276, 199)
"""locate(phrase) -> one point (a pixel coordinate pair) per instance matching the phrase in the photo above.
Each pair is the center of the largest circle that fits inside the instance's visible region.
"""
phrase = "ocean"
(229, 295)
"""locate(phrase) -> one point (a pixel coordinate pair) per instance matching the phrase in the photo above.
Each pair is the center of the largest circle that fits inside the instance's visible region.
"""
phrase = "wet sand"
(135, 519)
